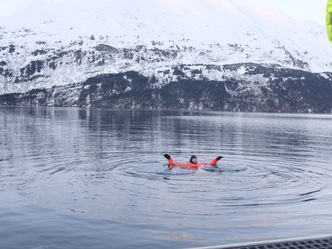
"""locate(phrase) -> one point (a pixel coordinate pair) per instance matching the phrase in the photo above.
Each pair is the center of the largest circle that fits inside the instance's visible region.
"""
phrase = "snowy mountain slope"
(63, 43)
(245, 87)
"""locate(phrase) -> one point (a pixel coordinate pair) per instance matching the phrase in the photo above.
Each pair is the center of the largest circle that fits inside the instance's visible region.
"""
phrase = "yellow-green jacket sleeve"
(329, 19)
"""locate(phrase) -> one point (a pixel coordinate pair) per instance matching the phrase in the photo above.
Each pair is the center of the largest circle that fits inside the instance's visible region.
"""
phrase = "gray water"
(96, 178)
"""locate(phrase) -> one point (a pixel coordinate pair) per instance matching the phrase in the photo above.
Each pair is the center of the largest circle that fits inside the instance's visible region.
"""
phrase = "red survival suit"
(172, 164)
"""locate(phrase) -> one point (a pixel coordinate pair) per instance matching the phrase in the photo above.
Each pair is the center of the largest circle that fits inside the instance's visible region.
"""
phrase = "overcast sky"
(304, 9)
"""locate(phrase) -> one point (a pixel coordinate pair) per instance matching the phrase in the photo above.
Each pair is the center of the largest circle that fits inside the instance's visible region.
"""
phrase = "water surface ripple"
(96, 178)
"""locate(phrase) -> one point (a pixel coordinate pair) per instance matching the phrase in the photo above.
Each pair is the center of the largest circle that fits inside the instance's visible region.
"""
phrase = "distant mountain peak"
(66, 42)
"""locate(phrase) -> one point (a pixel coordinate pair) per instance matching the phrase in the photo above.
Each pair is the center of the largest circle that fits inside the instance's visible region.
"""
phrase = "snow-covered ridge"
(68, 42)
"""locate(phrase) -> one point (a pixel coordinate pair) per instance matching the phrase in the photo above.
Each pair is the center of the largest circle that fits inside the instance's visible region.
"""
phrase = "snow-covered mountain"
(56, 44)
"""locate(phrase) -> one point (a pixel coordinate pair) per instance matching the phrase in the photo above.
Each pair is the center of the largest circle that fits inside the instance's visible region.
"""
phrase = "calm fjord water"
(96, 178)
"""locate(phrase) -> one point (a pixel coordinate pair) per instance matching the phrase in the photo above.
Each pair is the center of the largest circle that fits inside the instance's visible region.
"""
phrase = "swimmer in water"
(193, 164)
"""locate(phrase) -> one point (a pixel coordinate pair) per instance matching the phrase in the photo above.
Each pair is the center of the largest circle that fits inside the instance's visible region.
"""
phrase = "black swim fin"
(167, 156)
